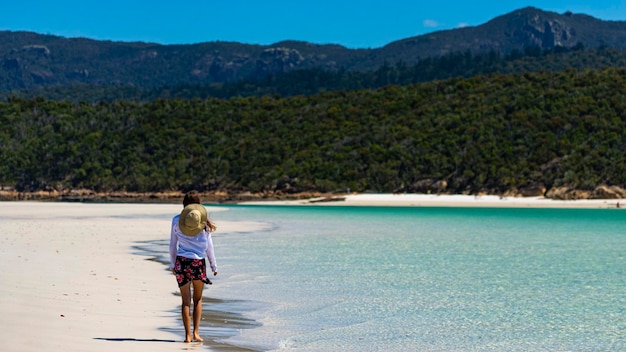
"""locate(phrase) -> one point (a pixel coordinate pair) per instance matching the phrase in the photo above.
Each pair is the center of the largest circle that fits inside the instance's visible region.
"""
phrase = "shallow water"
(426, 279)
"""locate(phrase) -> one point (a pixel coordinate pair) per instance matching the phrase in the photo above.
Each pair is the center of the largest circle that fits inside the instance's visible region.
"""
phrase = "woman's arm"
(173, 246)
(210, 254)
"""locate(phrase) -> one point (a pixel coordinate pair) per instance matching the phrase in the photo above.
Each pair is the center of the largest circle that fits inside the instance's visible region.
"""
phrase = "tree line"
(493, 133)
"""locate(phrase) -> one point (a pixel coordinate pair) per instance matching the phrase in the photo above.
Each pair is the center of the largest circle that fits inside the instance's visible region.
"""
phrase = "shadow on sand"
(120, 339)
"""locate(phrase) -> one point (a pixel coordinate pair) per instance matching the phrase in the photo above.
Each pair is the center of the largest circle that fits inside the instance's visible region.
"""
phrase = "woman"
(190, 245)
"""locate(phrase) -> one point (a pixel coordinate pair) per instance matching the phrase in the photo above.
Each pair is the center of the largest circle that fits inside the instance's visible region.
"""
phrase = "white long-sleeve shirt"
(197, 247)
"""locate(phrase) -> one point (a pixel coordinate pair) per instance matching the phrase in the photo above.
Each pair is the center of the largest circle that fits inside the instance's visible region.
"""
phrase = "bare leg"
(198, 285)
(185, 294)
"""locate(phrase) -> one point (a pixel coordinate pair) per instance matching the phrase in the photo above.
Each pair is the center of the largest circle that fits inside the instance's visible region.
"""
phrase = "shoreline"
(76, 275)
(426, 200)
(221, 318)
(321, 199)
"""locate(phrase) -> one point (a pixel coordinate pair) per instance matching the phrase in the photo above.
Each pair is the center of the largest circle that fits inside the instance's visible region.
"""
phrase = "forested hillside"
(489, 133)
(317, 80)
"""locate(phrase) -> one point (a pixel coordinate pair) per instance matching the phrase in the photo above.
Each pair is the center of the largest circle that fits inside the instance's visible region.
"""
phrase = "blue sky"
(355, 24)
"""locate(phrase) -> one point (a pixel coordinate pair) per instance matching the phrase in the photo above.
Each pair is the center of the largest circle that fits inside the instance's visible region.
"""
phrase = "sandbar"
(443, 200)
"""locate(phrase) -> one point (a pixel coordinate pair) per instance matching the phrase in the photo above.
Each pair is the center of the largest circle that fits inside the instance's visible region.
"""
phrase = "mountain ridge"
(29, 60)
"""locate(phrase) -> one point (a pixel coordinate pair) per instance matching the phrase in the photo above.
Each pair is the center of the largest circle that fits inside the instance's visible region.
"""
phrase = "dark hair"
(193, 197)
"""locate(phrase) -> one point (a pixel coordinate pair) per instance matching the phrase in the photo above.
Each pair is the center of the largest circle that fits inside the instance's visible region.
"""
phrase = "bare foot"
(196, 337)
(188, 339)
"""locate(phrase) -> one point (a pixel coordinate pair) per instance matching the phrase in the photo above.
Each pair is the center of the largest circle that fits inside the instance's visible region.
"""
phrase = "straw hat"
(192, 219)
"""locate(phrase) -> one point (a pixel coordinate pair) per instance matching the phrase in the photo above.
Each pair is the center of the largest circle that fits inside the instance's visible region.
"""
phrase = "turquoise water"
(427, 279)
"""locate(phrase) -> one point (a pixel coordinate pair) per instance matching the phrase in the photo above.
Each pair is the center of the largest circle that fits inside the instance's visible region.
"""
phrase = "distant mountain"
(29, 60)
(528, 27)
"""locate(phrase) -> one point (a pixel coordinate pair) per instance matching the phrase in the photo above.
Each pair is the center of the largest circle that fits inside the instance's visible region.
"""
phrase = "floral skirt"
(188, 269)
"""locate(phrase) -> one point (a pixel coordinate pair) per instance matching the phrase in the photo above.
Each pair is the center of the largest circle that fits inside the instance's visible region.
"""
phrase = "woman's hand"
(215, 273)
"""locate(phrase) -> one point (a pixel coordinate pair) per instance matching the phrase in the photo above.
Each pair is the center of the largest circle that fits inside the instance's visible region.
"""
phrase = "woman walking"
(190, 246)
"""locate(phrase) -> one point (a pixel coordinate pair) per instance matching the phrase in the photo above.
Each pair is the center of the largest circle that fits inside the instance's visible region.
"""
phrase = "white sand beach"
(69, 280)
(432, 200)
